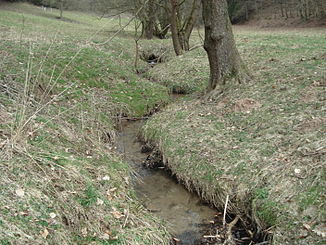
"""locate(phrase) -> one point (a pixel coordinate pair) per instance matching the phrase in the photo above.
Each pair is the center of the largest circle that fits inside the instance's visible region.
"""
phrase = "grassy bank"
(63, 88)
(262, 143)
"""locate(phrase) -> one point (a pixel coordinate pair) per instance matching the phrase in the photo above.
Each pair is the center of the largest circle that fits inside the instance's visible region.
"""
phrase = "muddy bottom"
(187, 216)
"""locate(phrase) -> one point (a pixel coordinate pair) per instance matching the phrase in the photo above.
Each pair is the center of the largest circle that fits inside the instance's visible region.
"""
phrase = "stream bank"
(189, 219)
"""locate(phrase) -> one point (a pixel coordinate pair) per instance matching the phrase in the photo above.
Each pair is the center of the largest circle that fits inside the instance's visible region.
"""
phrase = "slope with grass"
(262, 143)
(63, 87)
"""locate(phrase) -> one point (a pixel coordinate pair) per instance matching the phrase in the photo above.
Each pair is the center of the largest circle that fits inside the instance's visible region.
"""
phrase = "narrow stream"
(184, 212)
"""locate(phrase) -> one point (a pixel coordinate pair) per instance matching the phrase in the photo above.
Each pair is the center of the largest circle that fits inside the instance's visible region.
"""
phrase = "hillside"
(61, 96)
(260, 144)
(65, 86)
(276, 14)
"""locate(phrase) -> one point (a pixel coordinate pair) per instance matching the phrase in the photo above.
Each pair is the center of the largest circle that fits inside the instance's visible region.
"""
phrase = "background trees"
(240, 10)
(156, 13)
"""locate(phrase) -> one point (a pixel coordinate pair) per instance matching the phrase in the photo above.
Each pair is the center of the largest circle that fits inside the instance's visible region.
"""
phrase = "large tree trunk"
(149, 20)
(174, 28)
(224, 59)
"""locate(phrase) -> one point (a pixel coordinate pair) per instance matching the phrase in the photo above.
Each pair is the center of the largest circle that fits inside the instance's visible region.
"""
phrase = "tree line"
(157, 17)
(239, 10)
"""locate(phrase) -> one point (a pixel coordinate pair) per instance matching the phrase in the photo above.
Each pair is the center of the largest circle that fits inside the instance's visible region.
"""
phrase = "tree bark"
(61, 8)
(174, 28)
(224, 59)
(149, 20)
(189, 25)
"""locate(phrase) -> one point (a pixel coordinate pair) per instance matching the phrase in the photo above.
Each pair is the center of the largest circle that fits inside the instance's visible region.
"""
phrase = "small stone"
(106, 178)
(297, 171)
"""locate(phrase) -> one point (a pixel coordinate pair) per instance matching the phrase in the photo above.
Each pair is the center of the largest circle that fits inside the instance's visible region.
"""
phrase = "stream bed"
(188, 218)
(184, 212)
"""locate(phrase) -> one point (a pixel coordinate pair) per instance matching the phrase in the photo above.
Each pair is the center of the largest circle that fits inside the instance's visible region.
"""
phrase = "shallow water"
(184, 212)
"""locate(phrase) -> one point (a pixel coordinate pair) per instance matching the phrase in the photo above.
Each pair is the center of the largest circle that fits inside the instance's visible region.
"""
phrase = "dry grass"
(262, 143)
(61, 180)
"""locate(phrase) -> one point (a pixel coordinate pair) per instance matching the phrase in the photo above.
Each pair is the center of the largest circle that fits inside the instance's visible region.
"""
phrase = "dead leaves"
(99, 202)
(246, 105)
(44, 233)
(110, 193)
(52, 215)
(320, 230)
(116, 214)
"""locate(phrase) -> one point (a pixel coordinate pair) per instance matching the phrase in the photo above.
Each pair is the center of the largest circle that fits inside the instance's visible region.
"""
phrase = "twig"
(196, 46)
(225, 209)
(124, 27)
(127, 216)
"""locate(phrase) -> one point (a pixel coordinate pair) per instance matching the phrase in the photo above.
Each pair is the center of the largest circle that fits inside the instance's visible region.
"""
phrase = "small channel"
(186, 215)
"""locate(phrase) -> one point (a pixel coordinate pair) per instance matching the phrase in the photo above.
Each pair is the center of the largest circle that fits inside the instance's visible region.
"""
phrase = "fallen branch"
(229, 239)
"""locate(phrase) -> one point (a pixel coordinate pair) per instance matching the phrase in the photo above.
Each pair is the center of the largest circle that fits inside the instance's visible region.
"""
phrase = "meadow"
(66, 84)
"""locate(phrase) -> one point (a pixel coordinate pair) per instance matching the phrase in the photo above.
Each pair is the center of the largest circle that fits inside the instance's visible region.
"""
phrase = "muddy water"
(184, 212)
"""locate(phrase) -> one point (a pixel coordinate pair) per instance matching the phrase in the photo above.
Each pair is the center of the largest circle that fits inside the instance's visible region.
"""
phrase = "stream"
(188, 218)
(184, 212)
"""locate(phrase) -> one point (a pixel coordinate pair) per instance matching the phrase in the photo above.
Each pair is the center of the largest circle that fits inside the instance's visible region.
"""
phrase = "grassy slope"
(262, 143)
(61, 182)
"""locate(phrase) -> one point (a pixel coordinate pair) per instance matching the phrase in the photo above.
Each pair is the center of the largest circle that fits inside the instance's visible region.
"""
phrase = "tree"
(59, 4)
(182, 23)
(186, 23)
(174, 28)
(224, 59)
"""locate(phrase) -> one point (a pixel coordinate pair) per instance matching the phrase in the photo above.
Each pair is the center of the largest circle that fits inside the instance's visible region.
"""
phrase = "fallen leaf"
(105, 236)
(52, 215)
(45, 233)
(126, 180)
(109, 196)
(116, 214)
(84, 232)
(20, 192)
(24, 213)
(99, 202)
(307, 227)
(320, 230)
(297, 171)
(106, 177)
